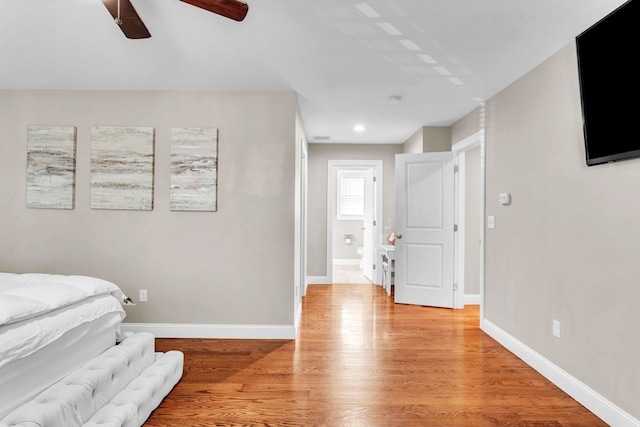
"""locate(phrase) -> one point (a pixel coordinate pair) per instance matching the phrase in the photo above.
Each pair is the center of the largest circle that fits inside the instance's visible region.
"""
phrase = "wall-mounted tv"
(608, 53)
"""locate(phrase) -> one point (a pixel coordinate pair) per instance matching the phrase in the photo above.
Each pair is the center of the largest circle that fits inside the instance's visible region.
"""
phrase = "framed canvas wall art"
(122, 163)
(194, 169)
(51, 166)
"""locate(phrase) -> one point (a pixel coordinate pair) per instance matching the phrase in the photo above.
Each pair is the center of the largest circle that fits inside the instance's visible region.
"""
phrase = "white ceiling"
(343, 64)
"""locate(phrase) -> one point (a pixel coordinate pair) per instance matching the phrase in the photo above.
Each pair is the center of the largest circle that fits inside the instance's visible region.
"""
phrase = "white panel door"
(368, 224)
(424, 226)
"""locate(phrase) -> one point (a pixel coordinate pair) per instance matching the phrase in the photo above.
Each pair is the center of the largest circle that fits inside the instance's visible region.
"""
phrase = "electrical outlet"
(143, 295)
(556, 328)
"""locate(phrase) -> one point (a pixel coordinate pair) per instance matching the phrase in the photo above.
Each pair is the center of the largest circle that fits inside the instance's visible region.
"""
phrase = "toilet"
(360, 254)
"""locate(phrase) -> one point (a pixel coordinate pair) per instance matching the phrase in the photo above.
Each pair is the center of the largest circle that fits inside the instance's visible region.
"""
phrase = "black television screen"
(608, 54)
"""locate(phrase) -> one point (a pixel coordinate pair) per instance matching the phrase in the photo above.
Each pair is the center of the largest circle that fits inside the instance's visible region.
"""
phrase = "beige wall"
(414, 144)
(319, 155)
(568, 247)
(436, 139)
(341, 250)
(234, 266)
(428, 139)
(468, 125)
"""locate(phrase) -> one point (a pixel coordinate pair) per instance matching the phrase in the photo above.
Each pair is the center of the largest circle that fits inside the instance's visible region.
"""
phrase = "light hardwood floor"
(362, 361)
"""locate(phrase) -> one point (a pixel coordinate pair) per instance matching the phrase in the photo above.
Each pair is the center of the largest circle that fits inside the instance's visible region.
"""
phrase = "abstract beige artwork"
(51, 166)
(122, 161)
(194, 168)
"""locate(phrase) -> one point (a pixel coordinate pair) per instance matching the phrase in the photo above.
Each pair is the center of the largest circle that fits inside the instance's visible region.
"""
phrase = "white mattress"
(23, 338)
(49, 326)
(22, 379)
(37, 309)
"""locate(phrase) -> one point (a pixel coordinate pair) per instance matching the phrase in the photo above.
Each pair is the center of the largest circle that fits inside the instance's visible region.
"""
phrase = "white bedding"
(24, 296)
(37, 309)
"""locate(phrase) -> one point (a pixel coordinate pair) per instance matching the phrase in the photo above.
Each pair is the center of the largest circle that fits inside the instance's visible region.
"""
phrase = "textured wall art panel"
(194, 169)
(122, 160)
(51, 166)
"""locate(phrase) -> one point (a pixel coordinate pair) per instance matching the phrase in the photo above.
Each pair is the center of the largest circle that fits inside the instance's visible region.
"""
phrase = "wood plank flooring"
(362, 361)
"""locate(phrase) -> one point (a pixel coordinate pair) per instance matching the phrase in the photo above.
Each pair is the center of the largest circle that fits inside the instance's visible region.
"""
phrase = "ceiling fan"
(132, 26)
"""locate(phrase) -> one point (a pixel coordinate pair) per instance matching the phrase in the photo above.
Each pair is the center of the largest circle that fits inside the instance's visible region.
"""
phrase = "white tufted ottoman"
(121, 387)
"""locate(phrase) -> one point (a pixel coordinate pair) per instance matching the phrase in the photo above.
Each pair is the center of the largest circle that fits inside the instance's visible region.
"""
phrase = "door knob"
(399, 235)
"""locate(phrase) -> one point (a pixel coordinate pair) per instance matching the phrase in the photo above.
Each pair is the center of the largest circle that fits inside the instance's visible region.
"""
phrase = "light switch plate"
(491, 221)
(556, 328)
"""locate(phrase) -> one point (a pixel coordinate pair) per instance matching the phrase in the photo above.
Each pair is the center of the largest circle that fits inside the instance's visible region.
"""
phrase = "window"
(350, 195)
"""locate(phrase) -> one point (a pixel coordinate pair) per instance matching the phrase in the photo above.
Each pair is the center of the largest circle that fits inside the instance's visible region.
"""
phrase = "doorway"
(354, 231)
(442, 249)
(470, 217)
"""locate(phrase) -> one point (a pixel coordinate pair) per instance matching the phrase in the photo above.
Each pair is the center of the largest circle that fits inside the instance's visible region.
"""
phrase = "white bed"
(56, 334)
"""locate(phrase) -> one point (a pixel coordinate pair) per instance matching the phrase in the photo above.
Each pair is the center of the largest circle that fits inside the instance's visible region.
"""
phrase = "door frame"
(475, 140)
(303, 220)
(332, 165)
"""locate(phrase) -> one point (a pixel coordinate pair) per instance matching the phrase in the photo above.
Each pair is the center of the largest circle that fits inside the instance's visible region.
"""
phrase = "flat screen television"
(609, 78)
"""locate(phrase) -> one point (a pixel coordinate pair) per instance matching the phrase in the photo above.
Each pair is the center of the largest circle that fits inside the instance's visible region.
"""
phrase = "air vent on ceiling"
(321, 138)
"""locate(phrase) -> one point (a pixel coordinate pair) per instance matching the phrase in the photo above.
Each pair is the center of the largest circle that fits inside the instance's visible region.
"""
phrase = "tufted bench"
(121, 387)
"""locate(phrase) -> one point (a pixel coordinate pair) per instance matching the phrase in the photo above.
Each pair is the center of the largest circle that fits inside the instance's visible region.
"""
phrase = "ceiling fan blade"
(127, 19)
(233, 9)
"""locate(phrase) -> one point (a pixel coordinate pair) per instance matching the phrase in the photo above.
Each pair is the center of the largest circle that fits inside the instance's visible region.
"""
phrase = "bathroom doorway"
(354, 220)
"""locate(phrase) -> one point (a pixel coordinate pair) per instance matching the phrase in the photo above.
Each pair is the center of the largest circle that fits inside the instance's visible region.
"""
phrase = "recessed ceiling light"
(359, 128)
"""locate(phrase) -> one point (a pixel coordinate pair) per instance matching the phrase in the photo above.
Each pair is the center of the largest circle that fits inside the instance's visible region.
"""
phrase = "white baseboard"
(318, 280)
(589, 398)
(180, 330)
(346, 261)
(471, 299)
